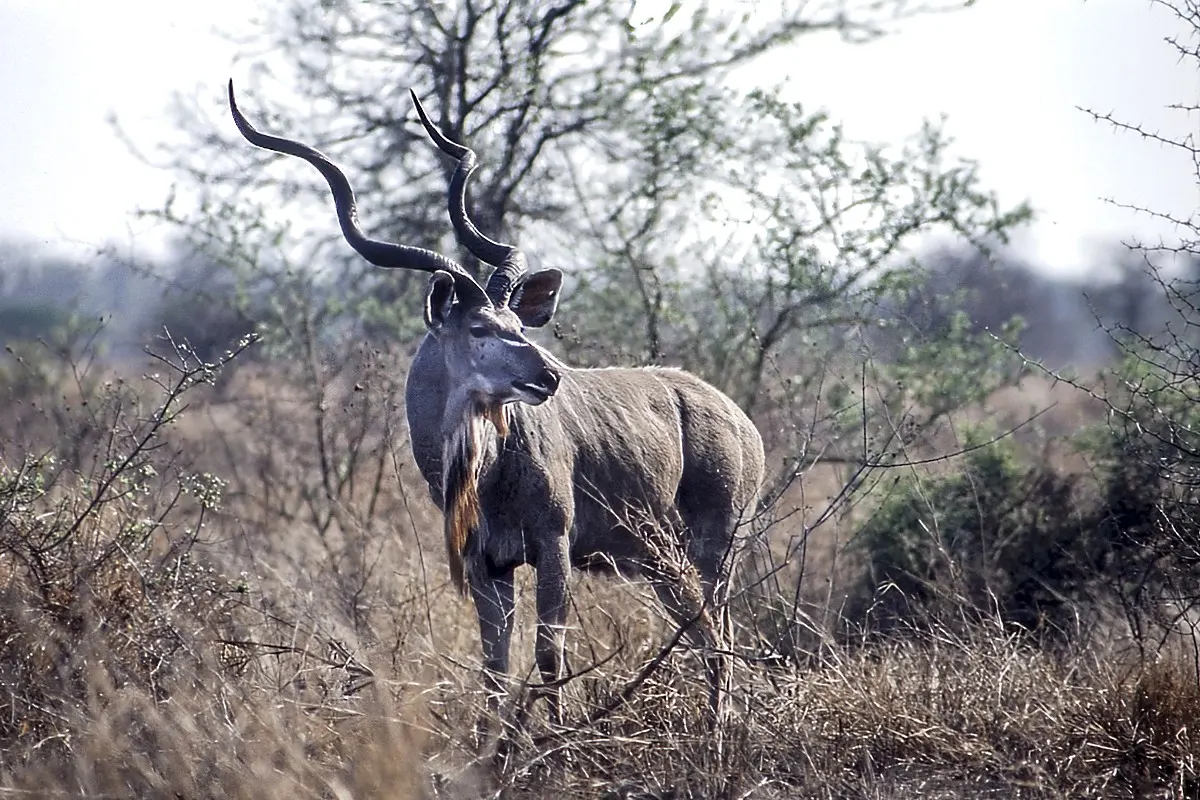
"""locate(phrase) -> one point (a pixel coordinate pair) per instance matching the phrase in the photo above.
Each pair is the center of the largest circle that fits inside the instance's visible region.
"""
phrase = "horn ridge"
(508, 259)
(380, 253)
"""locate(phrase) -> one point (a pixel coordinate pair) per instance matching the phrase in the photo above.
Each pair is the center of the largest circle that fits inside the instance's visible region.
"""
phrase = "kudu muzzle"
(542, 386)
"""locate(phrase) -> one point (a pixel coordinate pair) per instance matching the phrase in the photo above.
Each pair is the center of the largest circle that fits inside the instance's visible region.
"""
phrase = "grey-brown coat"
(643, 471)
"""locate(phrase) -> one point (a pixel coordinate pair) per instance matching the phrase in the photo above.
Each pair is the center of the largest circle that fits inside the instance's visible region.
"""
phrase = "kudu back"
(645, 471)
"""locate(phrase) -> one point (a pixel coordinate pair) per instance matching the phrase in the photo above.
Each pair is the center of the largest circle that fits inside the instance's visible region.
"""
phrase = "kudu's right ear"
(438, 300)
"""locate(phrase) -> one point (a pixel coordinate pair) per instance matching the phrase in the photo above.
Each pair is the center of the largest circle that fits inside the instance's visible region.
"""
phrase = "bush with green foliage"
(1148, 458)
(993, 535)
(24, 321)
(96, 550)
(1004, 533)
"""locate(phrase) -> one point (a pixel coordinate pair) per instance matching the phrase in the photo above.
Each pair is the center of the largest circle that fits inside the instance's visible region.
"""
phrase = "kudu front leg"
(494, 605)
(553, 570)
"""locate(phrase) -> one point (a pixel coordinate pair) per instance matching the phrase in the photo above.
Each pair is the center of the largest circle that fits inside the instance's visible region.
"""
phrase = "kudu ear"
(535, 298)
(438, 300)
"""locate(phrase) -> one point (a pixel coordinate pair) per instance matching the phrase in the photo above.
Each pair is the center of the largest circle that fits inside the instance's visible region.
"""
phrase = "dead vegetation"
(240, 592)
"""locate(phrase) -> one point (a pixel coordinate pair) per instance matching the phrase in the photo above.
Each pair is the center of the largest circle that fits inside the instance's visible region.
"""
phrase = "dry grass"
(303, 641)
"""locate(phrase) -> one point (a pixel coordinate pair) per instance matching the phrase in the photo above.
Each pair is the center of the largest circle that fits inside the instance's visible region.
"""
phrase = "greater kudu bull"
(534, 462)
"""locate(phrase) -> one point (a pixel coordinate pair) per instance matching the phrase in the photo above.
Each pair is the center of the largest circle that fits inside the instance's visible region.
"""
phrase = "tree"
(1149, 452)
(732, 232)
(609, 137)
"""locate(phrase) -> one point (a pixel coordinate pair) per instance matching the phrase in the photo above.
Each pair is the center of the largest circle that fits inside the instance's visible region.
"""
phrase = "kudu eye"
(478, 331)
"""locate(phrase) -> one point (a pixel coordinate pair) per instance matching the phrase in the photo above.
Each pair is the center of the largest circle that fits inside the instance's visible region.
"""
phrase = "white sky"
(1007, 73)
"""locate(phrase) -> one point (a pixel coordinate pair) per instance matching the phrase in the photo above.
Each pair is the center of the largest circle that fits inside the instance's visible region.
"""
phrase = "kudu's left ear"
(438, 300)
(535, 299)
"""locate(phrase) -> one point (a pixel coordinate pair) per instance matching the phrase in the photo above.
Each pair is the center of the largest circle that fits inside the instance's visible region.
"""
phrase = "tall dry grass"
(294, 634)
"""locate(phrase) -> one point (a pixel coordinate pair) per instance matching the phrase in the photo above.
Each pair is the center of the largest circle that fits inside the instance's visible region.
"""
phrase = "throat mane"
(462, 462)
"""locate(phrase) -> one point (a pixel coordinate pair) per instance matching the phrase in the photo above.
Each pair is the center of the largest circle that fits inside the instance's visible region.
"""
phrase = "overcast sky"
(1008, 74)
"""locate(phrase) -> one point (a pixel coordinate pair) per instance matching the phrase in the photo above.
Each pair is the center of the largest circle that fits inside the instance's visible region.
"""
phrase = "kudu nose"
(549, 379)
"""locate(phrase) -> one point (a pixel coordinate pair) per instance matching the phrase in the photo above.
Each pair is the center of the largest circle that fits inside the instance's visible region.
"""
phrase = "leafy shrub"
(22, 320)
(210, 323)
(98, 550)
(993, 535)
(1045, 550)
(1148, 455)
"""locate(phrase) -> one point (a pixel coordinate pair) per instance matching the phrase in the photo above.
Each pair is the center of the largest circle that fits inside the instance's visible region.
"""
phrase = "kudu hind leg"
(689, 610)
(712, 551)
(718, 664)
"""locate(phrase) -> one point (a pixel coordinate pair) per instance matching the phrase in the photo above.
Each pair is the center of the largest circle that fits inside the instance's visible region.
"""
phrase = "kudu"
(534, 462)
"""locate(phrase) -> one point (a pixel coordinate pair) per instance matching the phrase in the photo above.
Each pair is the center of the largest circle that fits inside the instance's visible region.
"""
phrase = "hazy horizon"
(1008, 77)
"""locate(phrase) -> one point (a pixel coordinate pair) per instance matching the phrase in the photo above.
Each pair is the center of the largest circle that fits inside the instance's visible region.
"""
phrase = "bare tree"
(625, 115)
(733, 232)
(1151, 455)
